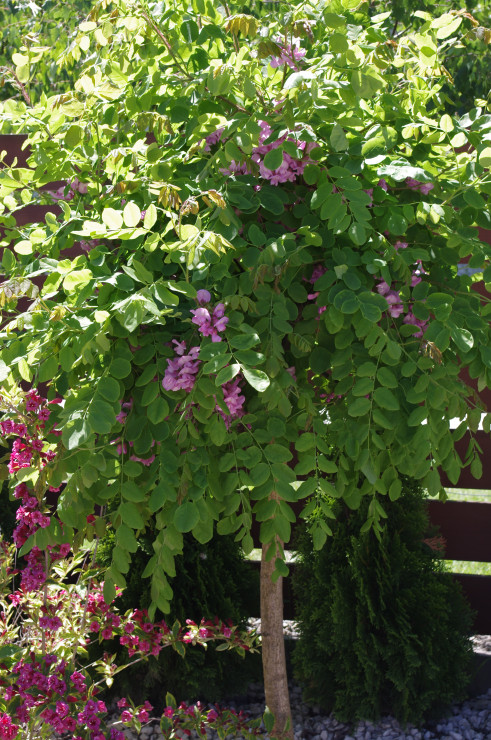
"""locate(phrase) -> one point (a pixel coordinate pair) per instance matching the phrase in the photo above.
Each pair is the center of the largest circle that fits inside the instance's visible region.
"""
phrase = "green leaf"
(101, 417)
(268, 719)
(112, 218)
(417, 416)
(245, 341)
(387, 378)
(217, 431)
(365, 85)
(158, 410)
(108, 591)
(186, 516)
(276, 453)
(150, 217)
(109, 388)
(462, 338)
(485, 157)
(256, 378)
(164, 295)
(305, 442)
(150, 393)
(75, 433)
(386, 399)
(131, 491)
(273, 159)
(360, 407)
(226, 374)
(216, 364)
(130, 515)
(120, 368)
(76, 280)
(131, 215)
(338, 138)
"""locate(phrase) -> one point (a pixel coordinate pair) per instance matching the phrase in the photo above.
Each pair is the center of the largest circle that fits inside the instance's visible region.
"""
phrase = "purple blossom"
(181, 371)
(209, 325)
(410, 318)
(417, 185)
(289, 55)
(395, 304)
(203, 296)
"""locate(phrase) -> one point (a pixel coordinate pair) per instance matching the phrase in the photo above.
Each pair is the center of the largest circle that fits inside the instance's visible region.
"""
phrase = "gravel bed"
(470, 720)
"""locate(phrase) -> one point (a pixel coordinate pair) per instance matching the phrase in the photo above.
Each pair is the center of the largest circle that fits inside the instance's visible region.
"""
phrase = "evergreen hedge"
(383, 629)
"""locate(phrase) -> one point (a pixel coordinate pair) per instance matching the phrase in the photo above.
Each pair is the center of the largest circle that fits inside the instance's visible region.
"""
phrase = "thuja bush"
(383, 628)
(256, 247)
(211, 579)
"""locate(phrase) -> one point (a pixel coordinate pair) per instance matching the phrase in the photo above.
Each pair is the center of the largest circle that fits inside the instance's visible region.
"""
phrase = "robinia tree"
(248, 293)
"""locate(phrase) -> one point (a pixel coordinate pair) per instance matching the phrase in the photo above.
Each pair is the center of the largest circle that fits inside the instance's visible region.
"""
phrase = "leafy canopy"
(297, 167)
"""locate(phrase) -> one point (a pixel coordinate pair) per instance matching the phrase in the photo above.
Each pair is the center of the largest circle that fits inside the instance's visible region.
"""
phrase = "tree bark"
(273, 650)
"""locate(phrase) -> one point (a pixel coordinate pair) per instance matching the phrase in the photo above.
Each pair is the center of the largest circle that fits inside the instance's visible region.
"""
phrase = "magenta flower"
(203, 296)
(209, 325)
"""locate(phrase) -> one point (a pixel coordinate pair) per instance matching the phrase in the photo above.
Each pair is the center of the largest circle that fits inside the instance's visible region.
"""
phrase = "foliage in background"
(211, 579)
(34, 34)
(469, 63)
(383, 629)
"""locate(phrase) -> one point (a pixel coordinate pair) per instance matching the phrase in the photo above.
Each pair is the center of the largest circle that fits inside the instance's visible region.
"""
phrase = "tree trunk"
(273, 650)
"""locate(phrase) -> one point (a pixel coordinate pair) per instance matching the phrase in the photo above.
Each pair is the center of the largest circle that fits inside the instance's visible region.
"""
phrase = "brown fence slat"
(466, 528)
(477, 590)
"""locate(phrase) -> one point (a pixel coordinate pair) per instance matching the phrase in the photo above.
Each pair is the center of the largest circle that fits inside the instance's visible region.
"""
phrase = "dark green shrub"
(211, 580)
(383, 628)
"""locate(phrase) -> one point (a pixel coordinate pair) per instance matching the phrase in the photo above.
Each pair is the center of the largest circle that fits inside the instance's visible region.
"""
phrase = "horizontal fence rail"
(466, 531)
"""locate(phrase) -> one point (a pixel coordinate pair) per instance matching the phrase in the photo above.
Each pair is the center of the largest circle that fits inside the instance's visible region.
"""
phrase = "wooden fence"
(465, 527)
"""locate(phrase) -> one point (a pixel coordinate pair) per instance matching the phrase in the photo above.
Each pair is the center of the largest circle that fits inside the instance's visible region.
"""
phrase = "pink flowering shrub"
(46, 685)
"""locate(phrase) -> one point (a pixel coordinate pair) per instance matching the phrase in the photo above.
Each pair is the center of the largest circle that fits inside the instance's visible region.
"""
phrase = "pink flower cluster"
(46, 686)
(28, 515)
(234, 399)
(290, 168)
(142, 635)
(75, 186)
(47, 689)
(181, 371)
(138, 713)
(289, 55)
(29, 446)
(8, 731)
(210, 324)
(423, 187)
(35, 573)
(393, 298)
(213, 139)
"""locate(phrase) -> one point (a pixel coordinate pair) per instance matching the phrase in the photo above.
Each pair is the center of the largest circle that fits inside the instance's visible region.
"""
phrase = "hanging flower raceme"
(290, 54)
(181, 371)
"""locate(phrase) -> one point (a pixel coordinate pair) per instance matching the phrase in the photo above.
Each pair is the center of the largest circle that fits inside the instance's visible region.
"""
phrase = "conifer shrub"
(383, 629)
(212, 580)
